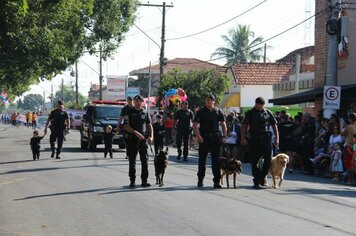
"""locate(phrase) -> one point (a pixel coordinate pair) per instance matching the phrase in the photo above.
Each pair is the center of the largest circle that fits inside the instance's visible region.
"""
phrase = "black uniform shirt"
(209, 120)
(158, 130)
(137, 119)
(183, 116)
(125, 110)
(58, 118)
(286, 130)
(108, 137)
(35, 141)
(259, 121)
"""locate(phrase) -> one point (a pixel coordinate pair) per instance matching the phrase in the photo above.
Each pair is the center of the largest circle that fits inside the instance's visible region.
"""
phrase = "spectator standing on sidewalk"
(168, 125)
(308, 137)
(348, 133)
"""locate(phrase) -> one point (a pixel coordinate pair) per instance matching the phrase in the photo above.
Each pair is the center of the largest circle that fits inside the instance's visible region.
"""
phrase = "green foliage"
(197, 84)
(39, 39)
(69, 98)
(30, 102)
(241, 46)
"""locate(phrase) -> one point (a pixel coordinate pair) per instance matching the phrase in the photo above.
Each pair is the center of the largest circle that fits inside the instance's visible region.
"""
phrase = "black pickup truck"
(93, 125)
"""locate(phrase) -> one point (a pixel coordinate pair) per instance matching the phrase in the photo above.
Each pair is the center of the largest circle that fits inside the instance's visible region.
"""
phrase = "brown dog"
(229, 166)
(161, 162)
(277, 168)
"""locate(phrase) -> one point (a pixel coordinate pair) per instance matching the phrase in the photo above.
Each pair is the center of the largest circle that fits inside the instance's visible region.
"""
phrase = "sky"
(266, 18)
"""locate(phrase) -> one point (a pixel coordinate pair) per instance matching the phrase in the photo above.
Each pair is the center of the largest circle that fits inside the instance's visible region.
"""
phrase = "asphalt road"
(85, 194)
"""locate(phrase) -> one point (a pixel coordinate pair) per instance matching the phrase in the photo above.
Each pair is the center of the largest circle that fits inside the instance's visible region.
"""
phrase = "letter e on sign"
(331, 98)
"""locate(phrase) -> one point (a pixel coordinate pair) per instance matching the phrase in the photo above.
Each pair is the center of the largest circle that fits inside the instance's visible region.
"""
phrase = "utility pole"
(163, 39)
(332, 51)
(76, 84)
(100, 74)
(62, 90)
(297, 72)
(51, 96)
(44, 100)
(149, 89)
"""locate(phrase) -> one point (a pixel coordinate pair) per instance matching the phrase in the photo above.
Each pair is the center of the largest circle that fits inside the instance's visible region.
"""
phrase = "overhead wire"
(218, 25)
(276, 35)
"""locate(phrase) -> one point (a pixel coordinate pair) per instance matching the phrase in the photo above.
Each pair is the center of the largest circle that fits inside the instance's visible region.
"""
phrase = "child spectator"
(335, 137)
(158, 134)
(336, 162)
(35, 144)
(108, 135)
(168, 125)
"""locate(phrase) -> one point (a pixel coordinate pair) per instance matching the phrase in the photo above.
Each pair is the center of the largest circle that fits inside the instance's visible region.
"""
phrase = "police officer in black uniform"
(257, 122)
(209, 137)
(123, 113)
(60, 124)
(136, 123)
(182, 119)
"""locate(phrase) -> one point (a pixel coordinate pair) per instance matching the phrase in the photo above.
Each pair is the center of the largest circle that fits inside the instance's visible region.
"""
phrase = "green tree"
(69, 97)
(241, 46)
(39, 39)
(30, 102)
(197, 84)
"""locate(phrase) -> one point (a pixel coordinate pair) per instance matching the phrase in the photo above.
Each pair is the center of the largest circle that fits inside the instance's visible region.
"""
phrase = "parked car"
(93, 124)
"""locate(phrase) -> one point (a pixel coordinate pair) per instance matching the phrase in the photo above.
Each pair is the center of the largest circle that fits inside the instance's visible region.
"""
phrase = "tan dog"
(277, 168)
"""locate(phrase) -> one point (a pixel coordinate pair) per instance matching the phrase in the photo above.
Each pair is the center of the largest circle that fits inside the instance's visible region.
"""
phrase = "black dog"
(161, 162)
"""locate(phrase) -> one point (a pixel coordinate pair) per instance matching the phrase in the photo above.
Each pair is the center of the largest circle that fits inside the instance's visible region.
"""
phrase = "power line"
(211, 28)
(89, 66)
(283, 32)
(147, 35)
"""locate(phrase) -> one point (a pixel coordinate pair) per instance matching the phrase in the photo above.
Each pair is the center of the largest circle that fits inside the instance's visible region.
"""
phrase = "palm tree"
(239, 49)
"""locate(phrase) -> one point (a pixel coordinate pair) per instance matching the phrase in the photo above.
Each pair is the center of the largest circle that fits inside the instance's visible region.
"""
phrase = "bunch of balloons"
(176, 96)
(4, 97)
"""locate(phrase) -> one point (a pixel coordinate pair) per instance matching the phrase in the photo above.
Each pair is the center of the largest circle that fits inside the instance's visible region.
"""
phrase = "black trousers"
(182, 135)
(212, 145)
(308, 152)
(134, 147)
(260, 157)
(108, 148)
(35, 151)
(56, 135)
(158, 143)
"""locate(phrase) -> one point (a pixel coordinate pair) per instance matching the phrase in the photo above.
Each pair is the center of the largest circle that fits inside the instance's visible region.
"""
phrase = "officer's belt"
(210, 135)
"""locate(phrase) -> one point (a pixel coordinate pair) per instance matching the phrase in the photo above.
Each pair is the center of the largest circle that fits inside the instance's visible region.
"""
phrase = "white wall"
(250, 92)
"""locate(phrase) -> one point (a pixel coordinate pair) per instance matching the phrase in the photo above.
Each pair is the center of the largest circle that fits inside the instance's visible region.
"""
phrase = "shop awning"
(347, 92)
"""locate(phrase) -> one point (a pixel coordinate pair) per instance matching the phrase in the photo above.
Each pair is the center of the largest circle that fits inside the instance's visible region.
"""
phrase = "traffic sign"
(331, 98)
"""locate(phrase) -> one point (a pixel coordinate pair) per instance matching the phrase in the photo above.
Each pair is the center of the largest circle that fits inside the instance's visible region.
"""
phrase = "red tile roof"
(185, 64)
(305, 54)
(260, 73)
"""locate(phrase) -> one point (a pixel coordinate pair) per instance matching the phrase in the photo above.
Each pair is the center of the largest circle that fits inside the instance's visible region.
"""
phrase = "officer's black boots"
(217, 185)
(145, 184)
(52, 155)
(200, 183)
(179, 156)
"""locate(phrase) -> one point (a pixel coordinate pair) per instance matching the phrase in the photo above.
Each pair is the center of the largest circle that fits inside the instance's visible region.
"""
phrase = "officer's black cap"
(159, 117)
(129, 98)
(260, 100)
(210, 96)
(60, 102)
(185, 102)
(138, 97)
